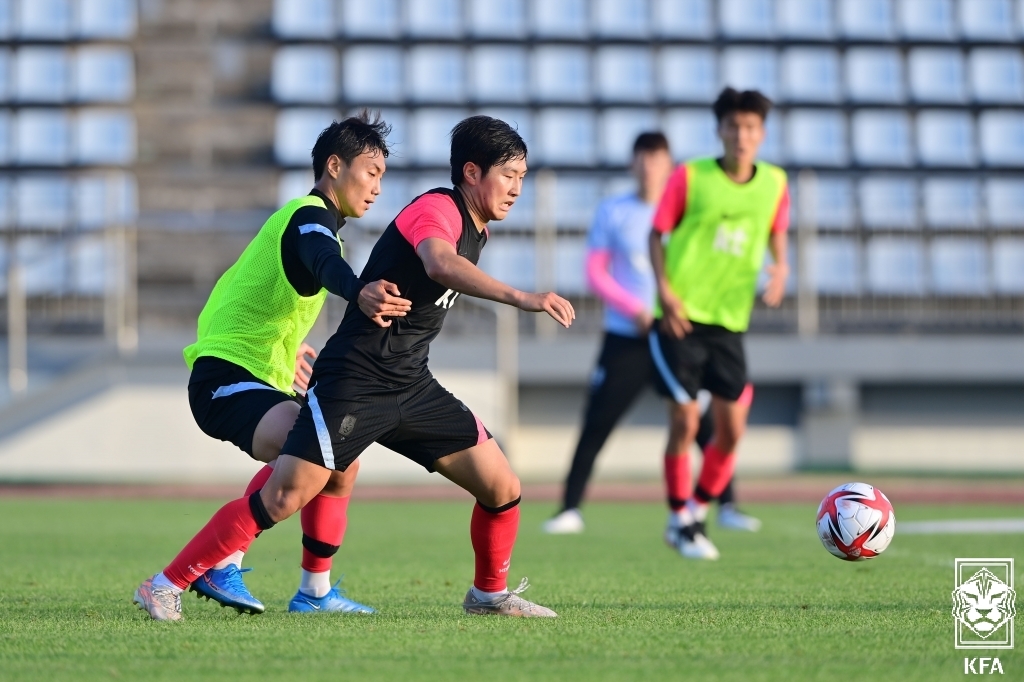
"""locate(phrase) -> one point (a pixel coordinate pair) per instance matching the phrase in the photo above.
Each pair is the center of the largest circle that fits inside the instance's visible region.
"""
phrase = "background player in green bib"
(710, 232)
(249, 354)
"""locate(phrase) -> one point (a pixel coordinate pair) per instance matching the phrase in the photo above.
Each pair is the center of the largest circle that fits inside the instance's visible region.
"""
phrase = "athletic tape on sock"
(259, 512)
(502, 508)
(319, 548)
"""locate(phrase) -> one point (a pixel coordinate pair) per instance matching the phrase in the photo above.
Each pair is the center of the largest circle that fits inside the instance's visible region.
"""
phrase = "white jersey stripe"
(225, 391)
(679, 393)
(322, 434)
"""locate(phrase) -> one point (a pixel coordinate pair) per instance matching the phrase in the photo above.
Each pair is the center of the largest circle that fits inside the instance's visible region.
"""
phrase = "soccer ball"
(856, 522)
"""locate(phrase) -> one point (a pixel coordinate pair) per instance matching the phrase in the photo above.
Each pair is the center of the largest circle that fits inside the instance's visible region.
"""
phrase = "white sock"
(698, 509)
(488, 596)
(315, 585)
(681, 517)
(235, 559)
(160, 580)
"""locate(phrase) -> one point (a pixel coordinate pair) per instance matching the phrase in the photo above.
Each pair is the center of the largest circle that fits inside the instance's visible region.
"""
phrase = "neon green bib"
(254, 317)
(714, 255)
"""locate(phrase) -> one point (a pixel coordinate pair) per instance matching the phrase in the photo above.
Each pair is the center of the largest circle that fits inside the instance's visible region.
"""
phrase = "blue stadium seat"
(997, 75)
(578, 197)
(560, 18)
(945, 138)
(45, 19)
(882, 137)
(1004, 202)
(42, 74)
(747, 18)
(837, 266)
(560, 74)
(429, 129)
(304, 18)
(6, 75)
(888, 202)
(42, 137)
(874, 74)
(107, 19)
(811, 74)
(687, 74)
(104, 74)
(867, 19)
(750, 68)
(6, 202)
(816, 137)
(497, 18)
(895, 266)
(44, 265)
(435, 73)
(296, 130)
(807, 19)
(691, 133)
(927, 19)
(937, 75)
(952, 203)
(305, 75)
(772, 149)
(42, 201)
(87, 266)
(105, 137)
(7, 28)
(6, 138)
(566, 137)
(987, 19)
(683, 18)
(296, 183)
(433, 18)
(959, 267)
(498, 73)
(377, 19)
(834, 204)
(570, 266)
(619, 128)
(622, 18)
(373, 74)
(1002, 137)
(624, 74)
(101, 200)
(511, 260)
(1008, 265)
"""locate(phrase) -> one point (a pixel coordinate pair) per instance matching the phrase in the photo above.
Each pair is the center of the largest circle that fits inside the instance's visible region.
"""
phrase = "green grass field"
(777, 606)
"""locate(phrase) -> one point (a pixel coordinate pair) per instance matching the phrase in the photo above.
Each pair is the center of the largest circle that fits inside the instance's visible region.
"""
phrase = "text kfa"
(982, 666)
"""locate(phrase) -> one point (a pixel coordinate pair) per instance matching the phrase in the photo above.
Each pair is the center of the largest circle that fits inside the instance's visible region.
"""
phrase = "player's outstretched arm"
(673, 320)
(446, 267)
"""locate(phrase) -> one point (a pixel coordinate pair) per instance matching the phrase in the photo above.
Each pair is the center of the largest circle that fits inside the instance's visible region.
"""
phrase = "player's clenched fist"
(550, 303)
(381, 299)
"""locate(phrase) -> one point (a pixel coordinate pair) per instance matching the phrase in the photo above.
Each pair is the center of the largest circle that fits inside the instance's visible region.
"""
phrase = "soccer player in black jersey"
(373, 384)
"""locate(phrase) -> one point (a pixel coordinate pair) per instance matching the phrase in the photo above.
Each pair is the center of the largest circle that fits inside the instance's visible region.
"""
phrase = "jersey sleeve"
(431, 216)
(320, 253)
(672, 206)
(781, 221)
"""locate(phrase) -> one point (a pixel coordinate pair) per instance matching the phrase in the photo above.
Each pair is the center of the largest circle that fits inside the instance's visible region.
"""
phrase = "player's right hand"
(551, 303)
(673, 320)
(380, 299)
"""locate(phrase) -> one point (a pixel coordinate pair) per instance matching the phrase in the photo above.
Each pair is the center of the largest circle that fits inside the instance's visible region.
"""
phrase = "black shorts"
(228, 402)
(421, 421)
(710, 357)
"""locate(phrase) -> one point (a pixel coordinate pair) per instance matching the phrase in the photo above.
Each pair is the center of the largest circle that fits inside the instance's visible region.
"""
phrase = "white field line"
(961, 526)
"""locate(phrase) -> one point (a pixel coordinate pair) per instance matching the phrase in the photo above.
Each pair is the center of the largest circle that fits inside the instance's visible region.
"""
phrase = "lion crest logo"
(984, 603)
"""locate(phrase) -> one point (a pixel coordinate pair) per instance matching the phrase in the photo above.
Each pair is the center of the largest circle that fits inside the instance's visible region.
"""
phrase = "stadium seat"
(624, 74)
(888, 202)
(497, 18)
(105, 137)
(987, 19)
(42, 137)
(945, 138)
(42, 201)
(750, 68)
(87, 266)
(1002, 137)
(106, 19)
(7, 28)
(937, 75)
(498, 73)
(691, 133)
(895, 266)
(566, 137)
(42, 74)
(377, 19)
(44, 265)
(811, 74)
(295, 183)
(6, 138)
(433, 18)
(952, 203)
(622, 18)
(687, 74)
(772, 149)
(834, 206)
(874, 74)
(683, 18)
(570, 266)
(400, 138)
(44, 19)
(373, 74)
(619, 128)
(304, 18)
(295, 132)
(6, 75)
(560, 18)
(808, 19)
(435, 74)
(578, 197)
(997, 75)
(560, 74)
(107, 199)
(6, 202)
(837, 267)
(104, 74)
(816, 138)
(927, 19)
(305, 74)
(882, 137)
(1008, 265)
(867, 19)
(429, 130)
(959, 267)
(747, 18)
(511, 259)
(1004, 202)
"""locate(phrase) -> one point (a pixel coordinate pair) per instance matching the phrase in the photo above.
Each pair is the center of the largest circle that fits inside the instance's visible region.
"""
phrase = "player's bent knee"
(341, 483)
(502, 493)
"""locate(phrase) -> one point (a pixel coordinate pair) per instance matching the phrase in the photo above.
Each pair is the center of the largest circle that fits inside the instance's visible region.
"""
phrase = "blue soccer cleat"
(332, 602)
(225, 587)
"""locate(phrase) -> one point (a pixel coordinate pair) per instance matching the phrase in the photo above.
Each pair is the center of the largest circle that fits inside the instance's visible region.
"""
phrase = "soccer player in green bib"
(249, 354)
(712, 226)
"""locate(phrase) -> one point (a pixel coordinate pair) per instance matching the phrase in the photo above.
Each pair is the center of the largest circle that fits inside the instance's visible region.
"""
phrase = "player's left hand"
(776, 289)
(303, 367)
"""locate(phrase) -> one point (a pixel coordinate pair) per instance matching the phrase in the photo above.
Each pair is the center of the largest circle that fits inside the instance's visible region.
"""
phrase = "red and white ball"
(856, 522)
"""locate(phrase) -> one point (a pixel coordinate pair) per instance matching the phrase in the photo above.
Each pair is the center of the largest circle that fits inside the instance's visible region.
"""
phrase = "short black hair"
(730, 100)
(486, 142)
(651, 141)
(350, 138)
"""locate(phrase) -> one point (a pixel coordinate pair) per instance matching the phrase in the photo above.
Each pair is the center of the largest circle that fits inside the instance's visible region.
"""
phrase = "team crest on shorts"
(347, 424)
(984, 603)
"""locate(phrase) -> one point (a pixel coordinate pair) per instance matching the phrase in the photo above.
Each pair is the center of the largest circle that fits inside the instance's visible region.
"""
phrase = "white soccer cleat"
(732, 518)
(509, 604)
(691, 542)
(161, 603)
(568, 522)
